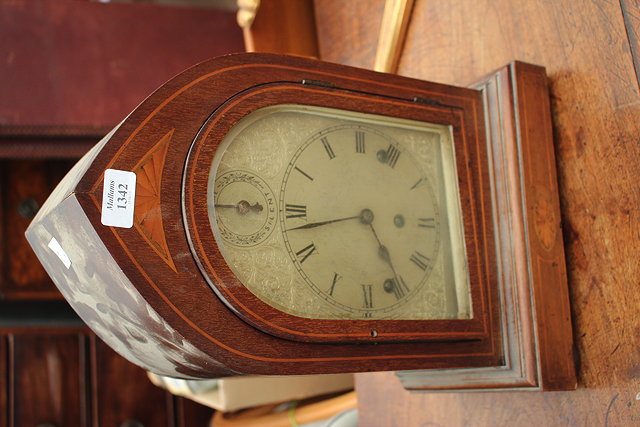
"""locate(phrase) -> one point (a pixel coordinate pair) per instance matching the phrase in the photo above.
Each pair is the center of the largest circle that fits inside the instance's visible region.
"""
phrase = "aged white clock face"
(323, 213)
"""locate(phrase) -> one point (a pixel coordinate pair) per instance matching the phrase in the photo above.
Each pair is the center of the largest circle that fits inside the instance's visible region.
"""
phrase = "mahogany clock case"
(161, 294)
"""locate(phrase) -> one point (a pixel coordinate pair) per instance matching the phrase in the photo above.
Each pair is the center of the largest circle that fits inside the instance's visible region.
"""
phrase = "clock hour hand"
(383, 252)
(318, 224)
(242, 207)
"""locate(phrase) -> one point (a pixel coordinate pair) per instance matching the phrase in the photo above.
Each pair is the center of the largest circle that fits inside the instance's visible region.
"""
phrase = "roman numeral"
(303, 173)
(359, 141)
(427, 222)
(400, 289)
(392, 155)
(420, 181)
(397, 286)
(368, 296)
(336, 277)
(305, 252)
(296, 211)
(420, 260)
(327, 147)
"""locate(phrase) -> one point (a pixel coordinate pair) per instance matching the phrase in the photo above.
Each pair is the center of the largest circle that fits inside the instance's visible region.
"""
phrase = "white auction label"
(118, 198)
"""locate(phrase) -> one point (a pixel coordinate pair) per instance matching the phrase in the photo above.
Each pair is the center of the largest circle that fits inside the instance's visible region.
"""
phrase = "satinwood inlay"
(148, 213)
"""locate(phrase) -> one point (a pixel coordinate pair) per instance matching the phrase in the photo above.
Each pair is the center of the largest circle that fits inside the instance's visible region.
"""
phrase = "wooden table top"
(591, 52)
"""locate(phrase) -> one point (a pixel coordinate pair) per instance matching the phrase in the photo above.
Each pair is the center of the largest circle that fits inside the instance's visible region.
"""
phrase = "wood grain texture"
(631, 15)
(360, 19)
(47, 380)
(536, 320)
(382, 402)
(77, 59)
(461, 111)
(44, 147)
(595, 106)
(148, 212)
(26, 185)
(188, 413)
(122, 392)
(4, 382)
(3, 249)
(283, 26)
(68, 377)
(543, 222)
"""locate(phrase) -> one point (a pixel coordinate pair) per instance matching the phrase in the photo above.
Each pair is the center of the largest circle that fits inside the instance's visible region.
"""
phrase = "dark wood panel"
(4, 382)
(26, 184)
(48, 379)
(190, 413)
(3, 249)
(122, 392)
(70, 63)
(32, 142)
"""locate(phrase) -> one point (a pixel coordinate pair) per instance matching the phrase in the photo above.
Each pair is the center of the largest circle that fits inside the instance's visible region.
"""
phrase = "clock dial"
(363, 221)
(245, 207)
(359, 219)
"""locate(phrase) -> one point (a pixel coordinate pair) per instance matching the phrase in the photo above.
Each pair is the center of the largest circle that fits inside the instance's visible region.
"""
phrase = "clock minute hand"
(318, 224)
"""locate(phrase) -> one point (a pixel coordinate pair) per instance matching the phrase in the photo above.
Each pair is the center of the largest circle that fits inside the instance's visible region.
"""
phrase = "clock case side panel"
(83, 269)
(288, 326)
(534, 299)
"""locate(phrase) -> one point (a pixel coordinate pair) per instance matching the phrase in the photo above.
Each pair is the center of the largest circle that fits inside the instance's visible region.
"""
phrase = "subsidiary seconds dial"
(359, 220)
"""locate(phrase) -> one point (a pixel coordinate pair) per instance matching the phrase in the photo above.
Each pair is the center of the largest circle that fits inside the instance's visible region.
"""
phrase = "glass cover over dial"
(328, 214)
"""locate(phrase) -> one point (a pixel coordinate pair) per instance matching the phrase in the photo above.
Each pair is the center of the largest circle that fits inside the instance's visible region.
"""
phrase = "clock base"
(534, 298)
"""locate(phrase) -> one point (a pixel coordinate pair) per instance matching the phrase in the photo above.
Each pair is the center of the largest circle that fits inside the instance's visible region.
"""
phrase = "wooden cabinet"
(4, 377)
(188, 413)
(87, 63)
(25, 185)
(53, 370)
(73, 70)
(122, 392)
(68, 377)
(61, 374)
(47, 382)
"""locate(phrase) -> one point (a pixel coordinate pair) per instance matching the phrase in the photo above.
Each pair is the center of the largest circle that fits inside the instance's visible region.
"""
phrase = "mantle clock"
(266, 214)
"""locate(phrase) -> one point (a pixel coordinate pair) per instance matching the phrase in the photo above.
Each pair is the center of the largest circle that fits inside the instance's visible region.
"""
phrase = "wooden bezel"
(472, 179)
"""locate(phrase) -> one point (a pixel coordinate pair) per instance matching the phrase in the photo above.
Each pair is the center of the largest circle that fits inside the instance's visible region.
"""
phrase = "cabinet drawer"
(24, 186)
(122, 392)
(47, 379)
(4, 377)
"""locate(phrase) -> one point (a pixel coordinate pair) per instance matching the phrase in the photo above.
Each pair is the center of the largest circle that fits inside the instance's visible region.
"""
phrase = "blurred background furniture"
(69, 72)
